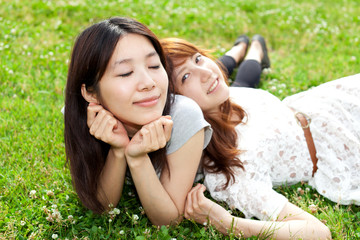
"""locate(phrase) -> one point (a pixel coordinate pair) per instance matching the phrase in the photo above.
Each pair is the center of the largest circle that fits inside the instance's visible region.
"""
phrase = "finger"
(167, 125)
(145, 138)
(109, 127)
(160, 133)
(200, 194)
(202, 188)
(104, 126)
(92, 111)
(194, 198)
(96, 122)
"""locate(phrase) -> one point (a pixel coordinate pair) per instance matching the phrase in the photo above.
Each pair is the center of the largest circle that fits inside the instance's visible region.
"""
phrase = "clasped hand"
(105, 127)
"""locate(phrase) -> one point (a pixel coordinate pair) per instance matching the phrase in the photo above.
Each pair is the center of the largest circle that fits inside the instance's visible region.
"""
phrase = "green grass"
(310, 42)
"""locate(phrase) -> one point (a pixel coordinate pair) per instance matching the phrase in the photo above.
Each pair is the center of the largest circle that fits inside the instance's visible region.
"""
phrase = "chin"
(150, 118)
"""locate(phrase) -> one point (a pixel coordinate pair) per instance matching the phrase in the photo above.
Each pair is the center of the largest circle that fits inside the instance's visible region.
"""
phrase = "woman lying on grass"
(257, 144)
(119, 113)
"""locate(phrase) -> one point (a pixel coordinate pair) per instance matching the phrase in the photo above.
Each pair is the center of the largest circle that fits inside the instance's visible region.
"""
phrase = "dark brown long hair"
(90, 56)
(221, 155)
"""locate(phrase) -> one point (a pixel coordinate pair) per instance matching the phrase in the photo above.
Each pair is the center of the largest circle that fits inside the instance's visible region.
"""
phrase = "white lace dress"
(275, 150)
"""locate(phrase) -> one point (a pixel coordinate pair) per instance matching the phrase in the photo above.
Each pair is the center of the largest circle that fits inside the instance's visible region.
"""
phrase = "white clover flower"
(67, 197)
(147, 231)
(13, 31)
(116, 211)
(11, 71)
(49, 218)
(54, 236)
(121, 232)
(70, 217)
(299, 189)
(135, 217)
(22, 223)
(50, 193)
(32, 193)
(353, 58)
(205, 223)
(266, 71)
(273, 88)
(32, 235)
(110, 220)
(307, 189)
(313, 208)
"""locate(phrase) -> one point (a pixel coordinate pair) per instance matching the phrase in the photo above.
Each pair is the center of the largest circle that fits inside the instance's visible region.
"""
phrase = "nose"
(204, 73)
(146, 81)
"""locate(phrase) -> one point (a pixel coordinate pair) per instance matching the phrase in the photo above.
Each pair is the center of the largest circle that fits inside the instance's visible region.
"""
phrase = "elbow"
(323, 232)
(326, 231)
(172, 221)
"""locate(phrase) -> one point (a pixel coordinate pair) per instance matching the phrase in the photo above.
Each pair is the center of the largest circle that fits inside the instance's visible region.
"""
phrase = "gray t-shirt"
(187, 119)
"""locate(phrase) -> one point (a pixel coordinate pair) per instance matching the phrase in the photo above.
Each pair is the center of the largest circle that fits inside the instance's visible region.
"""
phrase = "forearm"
(297, 229)
(158, 205)
(111, 180)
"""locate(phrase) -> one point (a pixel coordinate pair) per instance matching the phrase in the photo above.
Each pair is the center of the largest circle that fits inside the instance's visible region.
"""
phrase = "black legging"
(248, 74)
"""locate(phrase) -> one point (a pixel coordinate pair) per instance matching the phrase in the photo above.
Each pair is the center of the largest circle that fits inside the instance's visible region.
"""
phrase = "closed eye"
(155, 67)
(125, 74)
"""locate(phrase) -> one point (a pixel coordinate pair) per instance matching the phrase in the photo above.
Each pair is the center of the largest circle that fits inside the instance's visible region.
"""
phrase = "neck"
(213, 112)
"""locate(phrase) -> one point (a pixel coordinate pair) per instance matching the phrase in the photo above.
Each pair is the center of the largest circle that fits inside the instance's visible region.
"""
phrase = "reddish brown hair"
(221, 155)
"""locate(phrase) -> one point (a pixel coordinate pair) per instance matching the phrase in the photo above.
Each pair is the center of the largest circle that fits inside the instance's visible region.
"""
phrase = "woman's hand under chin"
(149, 138)
(105, 127)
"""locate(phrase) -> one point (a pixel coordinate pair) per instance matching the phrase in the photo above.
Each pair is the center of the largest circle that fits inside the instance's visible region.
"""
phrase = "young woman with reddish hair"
(260, 142)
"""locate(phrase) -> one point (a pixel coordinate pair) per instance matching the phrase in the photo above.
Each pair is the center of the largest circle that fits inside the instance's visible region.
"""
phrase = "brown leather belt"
(304, 121)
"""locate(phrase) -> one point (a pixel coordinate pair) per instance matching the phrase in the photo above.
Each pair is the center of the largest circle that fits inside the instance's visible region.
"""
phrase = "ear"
(89, 97)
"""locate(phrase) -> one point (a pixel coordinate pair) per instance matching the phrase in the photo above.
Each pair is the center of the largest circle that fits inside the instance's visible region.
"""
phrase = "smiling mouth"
(148, 102)
(213, 86)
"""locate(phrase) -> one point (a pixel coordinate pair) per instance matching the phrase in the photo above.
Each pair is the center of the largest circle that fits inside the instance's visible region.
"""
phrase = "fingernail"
(168, 117)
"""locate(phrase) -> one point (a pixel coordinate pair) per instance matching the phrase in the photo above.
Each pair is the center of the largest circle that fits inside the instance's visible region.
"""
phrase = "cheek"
(195, 94)
(115, 96)
(165, 80)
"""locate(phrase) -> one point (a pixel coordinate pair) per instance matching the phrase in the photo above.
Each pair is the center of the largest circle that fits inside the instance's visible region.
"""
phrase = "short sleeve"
(188, 119)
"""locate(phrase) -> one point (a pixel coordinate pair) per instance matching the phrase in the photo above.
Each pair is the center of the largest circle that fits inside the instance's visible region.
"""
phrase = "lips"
(148, 102)
(213, 86)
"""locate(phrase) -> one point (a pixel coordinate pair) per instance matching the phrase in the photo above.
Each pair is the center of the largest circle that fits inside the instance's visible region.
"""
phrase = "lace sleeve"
(253, 197)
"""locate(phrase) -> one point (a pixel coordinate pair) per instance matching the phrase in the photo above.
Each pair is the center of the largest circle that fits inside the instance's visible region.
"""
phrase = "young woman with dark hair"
(270, 144)
(119, 114)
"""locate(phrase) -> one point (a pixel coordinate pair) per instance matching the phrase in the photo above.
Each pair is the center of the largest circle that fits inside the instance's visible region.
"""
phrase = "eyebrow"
(126, 60)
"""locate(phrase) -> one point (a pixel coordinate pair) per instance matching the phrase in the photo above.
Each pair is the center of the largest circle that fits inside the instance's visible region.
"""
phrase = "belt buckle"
(307, 118)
